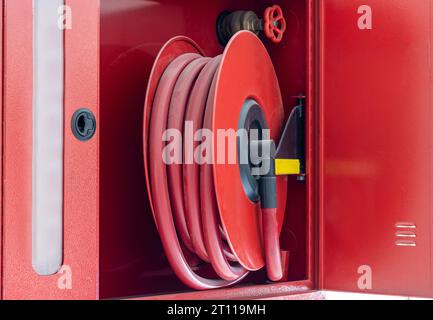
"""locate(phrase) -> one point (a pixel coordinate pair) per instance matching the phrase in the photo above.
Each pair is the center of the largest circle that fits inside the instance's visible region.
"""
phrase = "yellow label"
(284, 167)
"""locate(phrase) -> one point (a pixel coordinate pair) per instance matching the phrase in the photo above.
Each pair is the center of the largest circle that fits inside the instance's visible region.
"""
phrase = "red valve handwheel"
(275, 23)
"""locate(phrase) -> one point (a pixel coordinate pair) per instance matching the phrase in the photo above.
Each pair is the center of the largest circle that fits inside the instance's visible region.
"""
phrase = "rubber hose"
(185, 205)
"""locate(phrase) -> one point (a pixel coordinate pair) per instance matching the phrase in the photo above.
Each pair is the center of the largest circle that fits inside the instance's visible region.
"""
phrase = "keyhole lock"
(83, 124)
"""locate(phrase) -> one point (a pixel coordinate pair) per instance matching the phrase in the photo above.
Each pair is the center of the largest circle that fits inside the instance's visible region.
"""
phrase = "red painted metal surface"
(268, 291)
(1, 149)
(311, 208)
(376, 140)
(81, 159)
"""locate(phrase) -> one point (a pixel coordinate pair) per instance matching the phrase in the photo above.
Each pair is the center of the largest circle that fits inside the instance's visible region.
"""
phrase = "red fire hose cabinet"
(91, 211)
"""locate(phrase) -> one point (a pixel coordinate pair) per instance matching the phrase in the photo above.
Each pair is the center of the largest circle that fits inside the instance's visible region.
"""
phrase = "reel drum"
(246, 72)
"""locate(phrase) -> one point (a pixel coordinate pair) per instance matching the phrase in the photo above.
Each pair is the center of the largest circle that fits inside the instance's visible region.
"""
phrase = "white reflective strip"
(48, 113)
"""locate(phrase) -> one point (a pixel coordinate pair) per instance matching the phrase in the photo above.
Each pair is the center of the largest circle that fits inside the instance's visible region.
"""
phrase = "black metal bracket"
(292, 142)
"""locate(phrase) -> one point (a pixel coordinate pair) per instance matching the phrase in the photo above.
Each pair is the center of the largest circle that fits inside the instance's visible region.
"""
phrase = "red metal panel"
(376, 139)
(1, 149)
(268, 291)
(431, 180)
(81, 159)
(81, 164)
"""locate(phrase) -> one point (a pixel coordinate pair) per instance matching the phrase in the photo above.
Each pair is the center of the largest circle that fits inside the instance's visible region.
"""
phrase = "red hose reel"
(203, 210)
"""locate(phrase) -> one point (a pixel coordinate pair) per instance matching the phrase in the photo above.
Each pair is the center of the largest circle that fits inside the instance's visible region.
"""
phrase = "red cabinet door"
(78, 277)
(376, 146)
(1, 149)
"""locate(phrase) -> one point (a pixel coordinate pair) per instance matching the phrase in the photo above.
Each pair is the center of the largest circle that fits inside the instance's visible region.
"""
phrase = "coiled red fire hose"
(183, 196)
